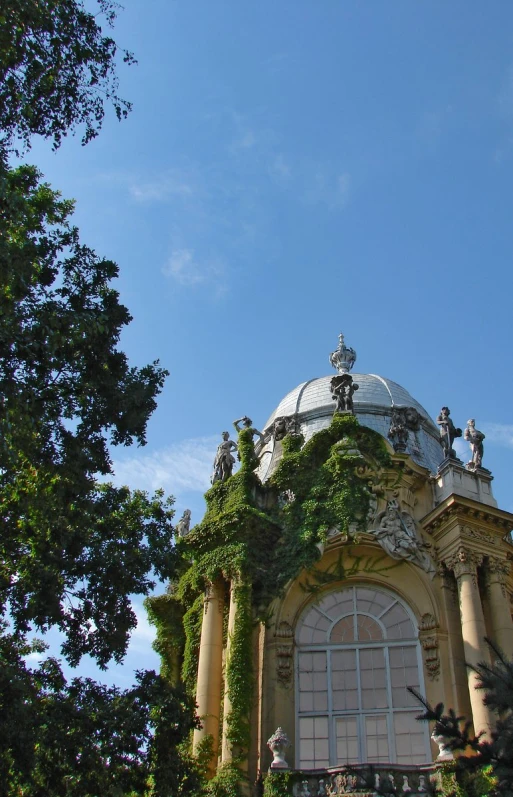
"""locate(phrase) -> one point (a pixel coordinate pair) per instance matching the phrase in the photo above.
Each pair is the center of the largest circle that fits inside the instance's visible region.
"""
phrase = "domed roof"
(374, 391)
(313, 406)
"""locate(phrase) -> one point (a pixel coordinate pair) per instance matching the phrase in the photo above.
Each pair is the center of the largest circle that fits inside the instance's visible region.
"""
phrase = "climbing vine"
(239, 677)
(259, 538)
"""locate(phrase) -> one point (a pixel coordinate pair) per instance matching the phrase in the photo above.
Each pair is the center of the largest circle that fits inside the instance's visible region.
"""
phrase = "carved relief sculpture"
(429, 643)
(475, 438)
(284, 654)
(224, 462)
(284, 426)
(397, 535)
(403, 420)
(448, 432)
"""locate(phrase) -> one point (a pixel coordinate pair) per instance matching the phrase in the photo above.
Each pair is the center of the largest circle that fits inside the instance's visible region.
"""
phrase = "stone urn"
(445, 753)
(277, 744)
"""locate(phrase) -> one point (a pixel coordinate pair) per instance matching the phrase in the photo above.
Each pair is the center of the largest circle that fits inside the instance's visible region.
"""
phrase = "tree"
(73, 547)
(83, 738)
(72, 550)
(478, 754)
(57, 69)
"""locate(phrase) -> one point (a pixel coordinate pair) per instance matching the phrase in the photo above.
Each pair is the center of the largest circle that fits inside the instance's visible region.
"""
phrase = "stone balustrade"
(367, 781)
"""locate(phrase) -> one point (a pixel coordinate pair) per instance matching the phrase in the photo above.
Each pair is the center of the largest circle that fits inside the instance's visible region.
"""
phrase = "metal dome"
(312, 404)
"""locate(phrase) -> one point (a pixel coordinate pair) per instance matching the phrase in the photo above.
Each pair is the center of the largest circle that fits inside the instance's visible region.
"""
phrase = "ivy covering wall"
(260, 537)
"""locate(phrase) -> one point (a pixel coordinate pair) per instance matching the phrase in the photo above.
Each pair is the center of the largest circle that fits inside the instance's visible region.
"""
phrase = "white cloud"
(171, 183)
(343, 186)
(185, 269)
(332, 191)
(246, 140)
(462, 449)
(181, 467)
(279, 169)
(501, 433)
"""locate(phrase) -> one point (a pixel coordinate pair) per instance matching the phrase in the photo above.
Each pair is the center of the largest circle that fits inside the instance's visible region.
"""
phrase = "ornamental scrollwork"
(429, 642)
(284, 654)
(498, 570)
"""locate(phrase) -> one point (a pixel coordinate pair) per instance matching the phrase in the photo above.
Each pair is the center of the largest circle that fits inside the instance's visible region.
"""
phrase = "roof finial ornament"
(343, 358)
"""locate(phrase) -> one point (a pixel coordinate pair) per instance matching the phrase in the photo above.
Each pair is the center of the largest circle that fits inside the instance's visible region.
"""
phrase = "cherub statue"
(342, 390)
(224, 462)
(475, 438)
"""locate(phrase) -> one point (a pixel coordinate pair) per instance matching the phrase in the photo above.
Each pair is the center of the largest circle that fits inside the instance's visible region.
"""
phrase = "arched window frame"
(385, 644)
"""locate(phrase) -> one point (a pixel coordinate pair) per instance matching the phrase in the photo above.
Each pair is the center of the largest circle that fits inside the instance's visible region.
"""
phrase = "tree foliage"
(57, 69)
(478, 754)
(73, 547)
(83, 738)
(72, 550)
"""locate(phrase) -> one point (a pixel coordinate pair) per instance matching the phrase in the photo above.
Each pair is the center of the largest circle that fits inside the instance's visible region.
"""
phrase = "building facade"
(352, 556)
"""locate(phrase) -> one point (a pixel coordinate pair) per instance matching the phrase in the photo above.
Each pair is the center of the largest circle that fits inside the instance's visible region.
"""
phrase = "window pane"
(409, 739)
(376, 737)
(347, 740)
(313, 682)
(373, 678)
(372, 601)
(344, 680)
(402, 675)
(313, 741)
(368, 629)
(336, 604)
(397, 623)
(343, 631)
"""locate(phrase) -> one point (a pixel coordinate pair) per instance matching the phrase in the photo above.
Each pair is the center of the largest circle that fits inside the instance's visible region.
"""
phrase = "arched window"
(357, 650)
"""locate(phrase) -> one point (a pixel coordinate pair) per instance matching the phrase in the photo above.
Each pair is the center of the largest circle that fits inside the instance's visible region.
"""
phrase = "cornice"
(458, 508)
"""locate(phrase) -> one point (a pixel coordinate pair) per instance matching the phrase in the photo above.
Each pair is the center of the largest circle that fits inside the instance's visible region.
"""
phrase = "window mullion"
(332, 734)
(390, 712)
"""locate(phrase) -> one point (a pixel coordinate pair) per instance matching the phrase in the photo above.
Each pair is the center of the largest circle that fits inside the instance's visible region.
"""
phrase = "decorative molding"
(480, 535)
(284, 668)
(284, 654)
(501, 568)
(447, 579)
(461, 508)
(428, 638)
(497, 571)
(464, 562)
(284, 630)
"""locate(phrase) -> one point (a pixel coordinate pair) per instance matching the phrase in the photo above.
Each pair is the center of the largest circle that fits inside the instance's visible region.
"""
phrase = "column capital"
(498, 569)
(464, 562)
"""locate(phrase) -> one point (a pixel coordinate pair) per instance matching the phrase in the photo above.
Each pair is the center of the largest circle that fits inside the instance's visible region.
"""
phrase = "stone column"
(473, 630)
(497, 571)
(210, 665)
(226, 745)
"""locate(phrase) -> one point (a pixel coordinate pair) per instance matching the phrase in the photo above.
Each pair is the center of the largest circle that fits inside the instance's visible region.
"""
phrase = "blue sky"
(292, 170)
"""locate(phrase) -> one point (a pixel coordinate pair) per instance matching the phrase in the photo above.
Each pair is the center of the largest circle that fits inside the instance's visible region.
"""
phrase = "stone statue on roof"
(475, 438)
